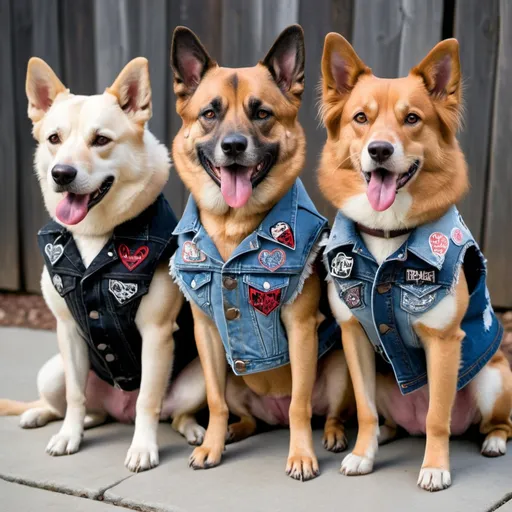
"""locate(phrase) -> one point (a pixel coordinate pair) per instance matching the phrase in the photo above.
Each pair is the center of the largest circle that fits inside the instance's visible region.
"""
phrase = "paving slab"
(20, 498)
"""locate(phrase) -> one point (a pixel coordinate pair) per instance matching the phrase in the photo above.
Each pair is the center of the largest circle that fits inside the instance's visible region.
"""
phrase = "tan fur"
(432, 91)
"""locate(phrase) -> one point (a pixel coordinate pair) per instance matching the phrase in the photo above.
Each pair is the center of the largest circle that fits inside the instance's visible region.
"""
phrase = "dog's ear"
(189, 61)
(341, 69)
(132, 88)
(440, 72)
(42, 87)
(286, 59)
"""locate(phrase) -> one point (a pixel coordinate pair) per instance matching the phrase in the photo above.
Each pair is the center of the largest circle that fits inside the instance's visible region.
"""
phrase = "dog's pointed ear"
(440, 70)
(42, 87)
(189, 61)
(286, 60)
(132, 88)
(341, 69)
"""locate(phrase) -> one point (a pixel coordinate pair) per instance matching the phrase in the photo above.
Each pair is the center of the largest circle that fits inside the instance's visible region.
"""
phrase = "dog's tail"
(15, 408)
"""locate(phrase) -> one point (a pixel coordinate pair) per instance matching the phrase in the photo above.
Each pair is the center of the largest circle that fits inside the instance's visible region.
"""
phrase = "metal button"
(94, 315)
(384, 288)
(229, 283)
(240, 366)
(232, 313)
(193, 283)
(109, 358)
(266, 285)
(110, 253)
(102, 346)
(384, 328)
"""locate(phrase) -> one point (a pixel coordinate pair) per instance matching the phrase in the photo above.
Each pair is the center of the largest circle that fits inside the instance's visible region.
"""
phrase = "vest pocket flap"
(420, 291)
(266, 283)
(196, 280)
(63, 283)
(125, 292)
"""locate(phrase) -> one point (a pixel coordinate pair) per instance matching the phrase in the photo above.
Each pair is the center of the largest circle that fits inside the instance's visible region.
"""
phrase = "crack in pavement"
(500, 503)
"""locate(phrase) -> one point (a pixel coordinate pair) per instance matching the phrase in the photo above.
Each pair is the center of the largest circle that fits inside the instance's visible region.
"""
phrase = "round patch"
(457, 236)
(438, 244)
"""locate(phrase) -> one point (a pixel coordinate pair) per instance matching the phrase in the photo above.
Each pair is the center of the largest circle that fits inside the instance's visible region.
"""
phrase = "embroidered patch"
(438, 244)
(282, 233)
(54, 252)
(190, 253)
(420, 276)
(57, 282)
(352, 297)
(341, 265)
(122, 291)
(264, 302)
(132, 261)
(457, 236)
(272, 260)
(415, 304)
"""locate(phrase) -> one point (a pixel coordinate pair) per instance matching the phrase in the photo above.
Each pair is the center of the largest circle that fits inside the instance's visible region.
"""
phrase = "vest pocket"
(123, 292)
(417, 299)
(265, 295)
(194, 287)
(351, 292)
(63, 283)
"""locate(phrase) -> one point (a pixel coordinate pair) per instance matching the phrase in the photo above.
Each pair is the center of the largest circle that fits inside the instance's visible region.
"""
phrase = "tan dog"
(391, 165)
(98, 167)
(239, 151)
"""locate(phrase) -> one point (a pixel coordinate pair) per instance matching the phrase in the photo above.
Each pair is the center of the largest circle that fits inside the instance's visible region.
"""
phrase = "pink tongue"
(72, 208)
(236, 186)
(381, 190)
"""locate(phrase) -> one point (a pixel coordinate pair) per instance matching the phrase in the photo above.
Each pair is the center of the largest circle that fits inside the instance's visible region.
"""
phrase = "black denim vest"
(104, 298)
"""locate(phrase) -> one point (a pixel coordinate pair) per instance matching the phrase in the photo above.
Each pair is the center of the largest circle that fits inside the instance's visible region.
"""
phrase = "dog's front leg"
(299, 319)
(156, 321)
(73, 349)
(213, 360)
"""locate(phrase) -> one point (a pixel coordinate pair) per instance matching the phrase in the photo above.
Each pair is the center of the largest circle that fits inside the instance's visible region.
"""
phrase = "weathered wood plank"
(377, 34)
(318, 18)
(497, 239)
(77, 28)
(9, 255)
(477, 29)
(421, 29)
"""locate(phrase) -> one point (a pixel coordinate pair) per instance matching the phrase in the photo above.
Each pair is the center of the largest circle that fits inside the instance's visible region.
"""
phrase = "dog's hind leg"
(52, 390)
(493, 392)
(338, 390)
(236, 398)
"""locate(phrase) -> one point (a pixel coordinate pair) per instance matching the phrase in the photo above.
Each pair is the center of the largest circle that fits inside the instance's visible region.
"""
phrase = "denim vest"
(104, 298)
(244, 295)
(387, 299)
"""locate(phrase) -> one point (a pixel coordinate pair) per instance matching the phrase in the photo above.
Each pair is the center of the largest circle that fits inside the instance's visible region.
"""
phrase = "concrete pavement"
(251, 477)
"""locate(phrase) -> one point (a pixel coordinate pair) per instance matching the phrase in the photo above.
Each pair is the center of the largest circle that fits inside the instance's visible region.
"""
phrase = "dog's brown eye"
(360, 118)
(54, 138)
(262, 114)
(100, 140)
(412, 118)
(209, 114)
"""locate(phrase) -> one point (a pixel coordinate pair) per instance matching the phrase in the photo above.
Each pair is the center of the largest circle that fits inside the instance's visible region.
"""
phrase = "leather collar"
(382, 233)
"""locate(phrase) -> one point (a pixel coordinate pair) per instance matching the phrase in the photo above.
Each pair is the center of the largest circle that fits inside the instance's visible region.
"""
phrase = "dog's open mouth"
(73, 208)
(236, 181)
(383, 185)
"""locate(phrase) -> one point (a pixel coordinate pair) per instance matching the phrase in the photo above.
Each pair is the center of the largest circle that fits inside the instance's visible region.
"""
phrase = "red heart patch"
(264, 302)
(132, 261)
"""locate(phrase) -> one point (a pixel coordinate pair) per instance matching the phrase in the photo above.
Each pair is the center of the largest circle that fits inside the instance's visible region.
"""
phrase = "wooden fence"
(87, 42)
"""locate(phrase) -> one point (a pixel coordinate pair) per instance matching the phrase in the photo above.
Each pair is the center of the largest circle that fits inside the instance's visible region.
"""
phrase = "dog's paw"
(302, 467)
(356, 465)
(494, 446)
(434, 479)
(194, 434)
(64, 443)
(335, 440)
(34, 418)
(205, 457)
(141, 457)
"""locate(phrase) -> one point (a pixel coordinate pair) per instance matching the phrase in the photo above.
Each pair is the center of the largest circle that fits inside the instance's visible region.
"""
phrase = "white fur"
(339, 309)
(441, 315)
(487, 386)
(382, 248)
(397, 162)
(434, 479)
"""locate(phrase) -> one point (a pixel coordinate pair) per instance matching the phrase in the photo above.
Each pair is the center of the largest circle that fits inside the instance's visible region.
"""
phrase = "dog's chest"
(90, 246)
(382, 248)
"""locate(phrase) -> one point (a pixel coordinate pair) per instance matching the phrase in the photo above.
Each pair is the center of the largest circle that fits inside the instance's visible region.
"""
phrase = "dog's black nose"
(380, 150)
(234, 144)
(63, 174)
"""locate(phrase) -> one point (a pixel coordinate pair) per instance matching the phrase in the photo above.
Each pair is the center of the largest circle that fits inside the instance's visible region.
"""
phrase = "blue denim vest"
(244, 295)
(104, 298)
(386, 299)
